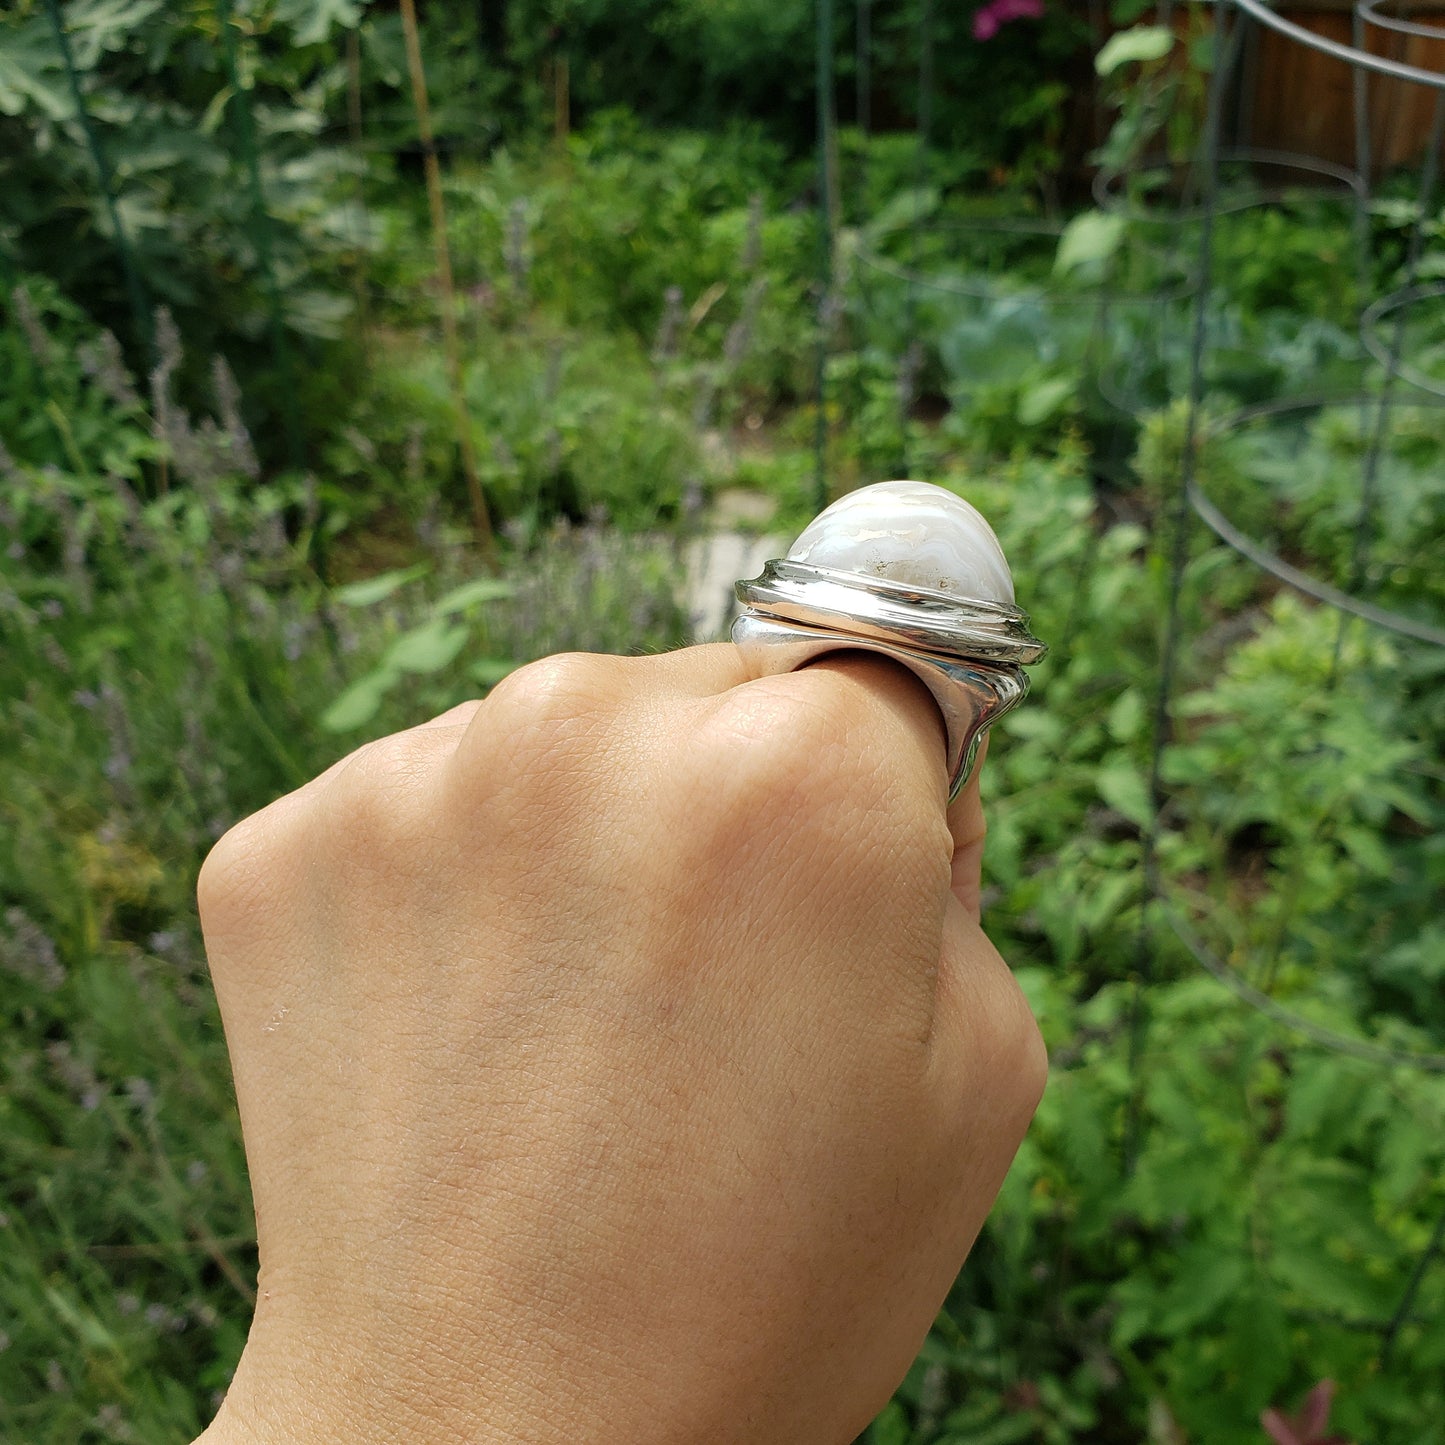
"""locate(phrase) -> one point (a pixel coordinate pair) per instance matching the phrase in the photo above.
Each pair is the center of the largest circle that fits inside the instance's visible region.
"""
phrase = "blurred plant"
(1156, 82)
(159, 106)
(1308, 1427)
(989, 20)
(1210, 1215)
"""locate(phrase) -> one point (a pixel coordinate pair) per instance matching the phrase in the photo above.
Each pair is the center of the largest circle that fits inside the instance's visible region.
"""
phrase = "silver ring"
(970, 654)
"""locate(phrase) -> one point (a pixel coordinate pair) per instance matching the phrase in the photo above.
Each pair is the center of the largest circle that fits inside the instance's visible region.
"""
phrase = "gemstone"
(913, 533)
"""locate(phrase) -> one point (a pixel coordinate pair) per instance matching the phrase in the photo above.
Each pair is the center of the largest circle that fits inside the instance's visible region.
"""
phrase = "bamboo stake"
(481, 522)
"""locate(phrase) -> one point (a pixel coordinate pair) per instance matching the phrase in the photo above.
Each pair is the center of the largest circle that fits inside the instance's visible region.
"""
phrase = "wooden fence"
(1296, 99)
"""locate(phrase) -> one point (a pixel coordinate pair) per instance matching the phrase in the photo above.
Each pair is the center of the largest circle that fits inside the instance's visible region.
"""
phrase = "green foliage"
(1153, 78)
(620, 295)
(165, 668)
(1088, 241)
(1141, 44)
(166, 122)
(1296, 257)
(1212, 1213)
(701, 63)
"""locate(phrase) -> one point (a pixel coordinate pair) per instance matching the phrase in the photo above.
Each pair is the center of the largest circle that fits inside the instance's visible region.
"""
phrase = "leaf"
(314, 312)
(1125, 716)
(489, 671)
(373, 589)
(1257, 1330)
(1317, 1093)
(1323, 1282)
(359, 703)
(428, 648)
(1088, 240)
(1081, 1136)
(1108, 896)
(1207, 1278)
(211, 117)
(1137, 45)
(1003, 346)
(1406, 1148)
(1008, 1429)
(484, 589)
(1044, 400)
(96, 26)
(25, 56)
(1133, 1311)
(88, 1329)
(1367, 852)
(1046, 727)
(904, 210)
(312, 21)
(891, 1427)
(1121, 785)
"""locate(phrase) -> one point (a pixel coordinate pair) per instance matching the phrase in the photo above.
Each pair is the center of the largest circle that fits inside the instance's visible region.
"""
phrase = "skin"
(619, 1058)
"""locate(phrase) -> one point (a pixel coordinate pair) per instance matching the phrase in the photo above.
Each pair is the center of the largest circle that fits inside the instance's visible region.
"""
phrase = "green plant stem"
(282, 754)
(61, 423)
(135, 289)
(261, 235)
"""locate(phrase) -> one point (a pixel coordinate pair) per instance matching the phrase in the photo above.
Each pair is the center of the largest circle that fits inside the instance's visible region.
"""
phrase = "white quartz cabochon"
(913, 533)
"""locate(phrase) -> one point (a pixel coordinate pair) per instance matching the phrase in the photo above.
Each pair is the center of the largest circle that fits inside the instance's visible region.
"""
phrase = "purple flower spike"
(988, 21)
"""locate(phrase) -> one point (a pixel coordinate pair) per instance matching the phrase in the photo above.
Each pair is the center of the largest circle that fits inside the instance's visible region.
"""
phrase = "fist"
(619, 1058)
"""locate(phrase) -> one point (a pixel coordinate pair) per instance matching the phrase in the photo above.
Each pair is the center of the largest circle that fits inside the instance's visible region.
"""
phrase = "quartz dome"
(913, 533)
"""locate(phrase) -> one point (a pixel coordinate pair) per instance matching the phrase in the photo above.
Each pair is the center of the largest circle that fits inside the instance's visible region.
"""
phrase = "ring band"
(968, 653)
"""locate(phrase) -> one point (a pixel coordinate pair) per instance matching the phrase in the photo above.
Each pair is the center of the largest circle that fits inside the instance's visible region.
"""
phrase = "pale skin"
(619, 1059)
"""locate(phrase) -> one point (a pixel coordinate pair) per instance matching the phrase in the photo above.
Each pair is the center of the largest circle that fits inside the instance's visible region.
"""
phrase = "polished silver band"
(968, 653)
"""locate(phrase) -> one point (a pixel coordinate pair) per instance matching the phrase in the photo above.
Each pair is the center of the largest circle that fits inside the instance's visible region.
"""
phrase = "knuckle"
(798, 759)
(238, 872)
(366, 816)
(541, 724)
(771, 747)
(552, 688)
(873, 746)
(870, 767)
(373, 804)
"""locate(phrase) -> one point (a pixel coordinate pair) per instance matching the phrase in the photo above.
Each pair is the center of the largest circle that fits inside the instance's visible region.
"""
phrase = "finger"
(898, 689)
(897, 692)
(984, 1032)
(967, 824)
(701, 671)
(611, 700)
(895, 687)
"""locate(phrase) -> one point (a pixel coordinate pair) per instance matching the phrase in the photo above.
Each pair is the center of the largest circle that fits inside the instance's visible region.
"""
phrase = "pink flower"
(1310, 1425)
(997, 13)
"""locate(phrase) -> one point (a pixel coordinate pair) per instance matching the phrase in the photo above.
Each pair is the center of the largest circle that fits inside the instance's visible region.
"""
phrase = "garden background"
(351, 357)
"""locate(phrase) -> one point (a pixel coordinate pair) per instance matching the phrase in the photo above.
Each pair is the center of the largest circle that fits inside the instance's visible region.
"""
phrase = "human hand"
(619, 1058)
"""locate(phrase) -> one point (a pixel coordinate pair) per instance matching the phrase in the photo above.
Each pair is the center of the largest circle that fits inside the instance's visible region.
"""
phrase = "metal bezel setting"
(969, 653)
(889, 611)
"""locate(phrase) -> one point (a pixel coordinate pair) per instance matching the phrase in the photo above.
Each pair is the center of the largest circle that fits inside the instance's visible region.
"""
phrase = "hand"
(619, 1058)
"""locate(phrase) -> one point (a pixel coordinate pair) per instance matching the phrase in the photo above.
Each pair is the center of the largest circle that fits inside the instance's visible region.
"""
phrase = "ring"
(912, 572)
